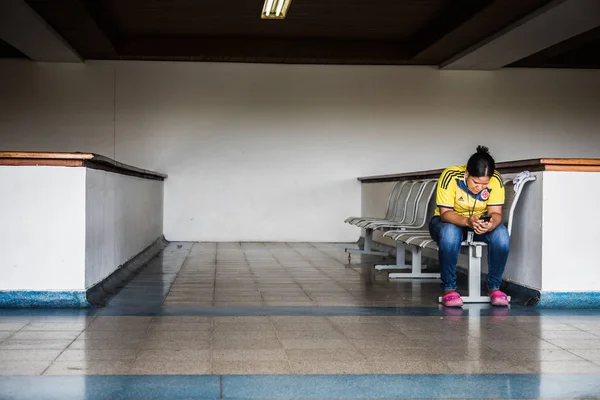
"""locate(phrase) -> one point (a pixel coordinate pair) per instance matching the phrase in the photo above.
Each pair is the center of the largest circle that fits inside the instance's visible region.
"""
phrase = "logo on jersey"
(485, 194)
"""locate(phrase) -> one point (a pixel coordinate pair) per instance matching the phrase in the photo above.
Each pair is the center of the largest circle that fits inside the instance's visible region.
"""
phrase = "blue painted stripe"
(48, 299)
(569, 300)
(468, 310)
(102, 387)
(410, 386)
(483, 386)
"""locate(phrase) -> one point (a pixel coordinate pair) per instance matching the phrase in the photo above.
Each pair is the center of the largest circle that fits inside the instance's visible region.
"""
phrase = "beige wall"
(272, 152)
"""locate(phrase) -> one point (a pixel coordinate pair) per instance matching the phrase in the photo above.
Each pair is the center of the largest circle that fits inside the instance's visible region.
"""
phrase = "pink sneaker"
(498, 298)
(452, 300)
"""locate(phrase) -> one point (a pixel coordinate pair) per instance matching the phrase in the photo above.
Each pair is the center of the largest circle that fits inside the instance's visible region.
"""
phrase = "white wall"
(272, 152)
(56, 107)
(124, 216)
(571, 234)
(42, 240)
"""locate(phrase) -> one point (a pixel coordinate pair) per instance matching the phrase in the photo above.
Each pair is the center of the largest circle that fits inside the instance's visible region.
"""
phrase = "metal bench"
(420, 242)
(401, 209)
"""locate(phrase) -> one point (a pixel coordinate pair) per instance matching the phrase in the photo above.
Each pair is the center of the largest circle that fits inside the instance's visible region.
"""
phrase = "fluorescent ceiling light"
(275, 9)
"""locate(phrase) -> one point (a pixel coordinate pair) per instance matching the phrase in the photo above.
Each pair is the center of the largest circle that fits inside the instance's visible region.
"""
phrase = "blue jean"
(449, 237)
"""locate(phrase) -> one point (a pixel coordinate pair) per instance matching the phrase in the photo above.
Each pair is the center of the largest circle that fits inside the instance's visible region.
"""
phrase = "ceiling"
(405, 32)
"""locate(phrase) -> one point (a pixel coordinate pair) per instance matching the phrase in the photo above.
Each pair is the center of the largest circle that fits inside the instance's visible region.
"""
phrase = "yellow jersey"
(452, 192)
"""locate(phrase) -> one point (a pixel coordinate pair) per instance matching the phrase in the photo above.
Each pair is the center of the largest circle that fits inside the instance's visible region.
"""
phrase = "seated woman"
(465, 194)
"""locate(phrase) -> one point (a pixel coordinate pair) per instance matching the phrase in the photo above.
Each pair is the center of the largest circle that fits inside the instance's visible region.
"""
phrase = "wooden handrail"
(507, 167)
(64, 159)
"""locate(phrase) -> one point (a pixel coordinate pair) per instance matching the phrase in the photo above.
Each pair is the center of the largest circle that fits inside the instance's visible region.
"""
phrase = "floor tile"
(89, 368)
(29, 355)
(248, 355)
(387, 355)
(97, 355)
(251, 367)
(317, 343)
(330, 367)
(175, 326)
(23, 367)
(337, 355)
(120, 323)
(590, 355)
(568, 335)
(384, 343)
(43, 335)
(180, 320)
(507, 344)
(56, 326)
(358, 319)
(184, 344)
(408, 367)
(40, 344)
(10, 325)
(562, 367)
(102, 344)
(485, 367)
(246, 335)
(538, 355)
(186, 355)
(576, 344)
(112, 336)
(310, 334)
(179, 335)
(243, 344)
(297, 326)
(468, 353)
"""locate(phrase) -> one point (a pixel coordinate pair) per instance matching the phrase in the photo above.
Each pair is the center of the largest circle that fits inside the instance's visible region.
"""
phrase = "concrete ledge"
(569, 300)
(43, 299)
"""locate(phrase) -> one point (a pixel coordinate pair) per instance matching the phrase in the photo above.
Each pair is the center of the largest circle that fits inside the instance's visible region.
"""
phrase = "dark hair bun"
(483, 149)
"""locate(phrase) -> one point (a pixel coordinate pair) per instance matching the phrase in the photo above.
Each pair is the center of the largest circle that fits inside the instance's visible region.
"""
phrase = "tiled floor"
(285, 274)
(258, 310)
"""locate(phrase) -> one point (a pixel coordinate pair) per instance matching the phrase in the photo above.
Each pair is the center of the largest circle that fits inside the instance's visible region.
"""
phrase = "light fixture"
(275, 9)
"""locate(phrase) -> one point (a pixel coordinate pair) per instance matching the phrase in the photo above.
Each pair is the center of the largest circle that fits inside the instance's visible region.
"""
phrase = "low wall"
(70, 220)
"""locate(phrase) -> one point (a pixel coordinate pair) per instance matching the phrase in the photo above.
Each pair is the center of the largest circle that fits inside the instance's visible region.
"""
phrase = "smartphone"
(485, 218)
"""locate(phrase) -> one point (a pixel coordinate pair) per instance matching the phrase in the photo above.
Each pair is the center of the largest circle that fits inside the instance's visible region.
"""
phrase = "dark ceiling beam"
(580, 50)
(73, 21)
(23, 29)
(104, 21)
(8, 51)
(263, 50)
(556, 22)
(447, 19)
(484, 24)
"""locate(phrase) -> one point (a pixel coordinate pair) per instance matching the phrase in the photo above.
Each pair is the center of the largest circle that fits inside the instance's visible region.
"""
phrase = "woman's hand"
(472, 222)
(481, 227)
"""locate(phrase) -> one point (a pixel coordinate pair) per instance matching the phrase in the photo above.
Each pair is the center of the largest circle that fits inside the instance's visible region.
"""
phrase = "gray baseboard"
(99, 294)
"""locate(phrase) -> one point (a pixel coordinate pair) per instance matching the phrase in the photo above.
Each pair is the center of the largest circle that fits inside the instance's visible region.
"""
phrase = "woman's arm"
(496, 213)
(448, 215)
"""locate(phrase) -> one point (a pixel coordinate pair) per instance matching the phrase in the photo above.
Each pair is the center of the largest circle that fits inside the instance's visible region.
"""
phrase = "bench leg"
(368, 248)
(416, 266)
(400, 260)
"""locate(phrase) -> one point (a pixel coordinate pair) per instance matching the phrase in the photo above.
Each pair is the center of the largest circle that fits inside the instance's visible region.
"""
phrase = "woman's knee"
(499, 238)
(451, 235)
